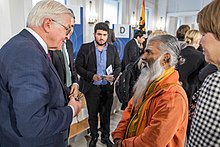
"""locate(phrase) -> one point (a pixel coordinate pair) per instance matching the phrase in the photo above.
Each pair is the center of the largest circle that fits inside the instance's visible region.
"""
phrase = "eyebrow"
(102, 33)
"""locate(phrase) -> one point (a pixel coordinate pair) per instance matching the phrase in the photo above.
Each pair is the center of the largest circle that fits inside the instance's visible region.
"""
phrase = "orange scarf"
(139, 120)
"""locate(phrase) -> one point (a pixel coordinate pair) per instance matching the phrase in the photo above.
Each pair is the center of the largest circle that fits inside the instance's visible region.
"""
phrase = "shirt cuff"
(72, 109)
(76, 84)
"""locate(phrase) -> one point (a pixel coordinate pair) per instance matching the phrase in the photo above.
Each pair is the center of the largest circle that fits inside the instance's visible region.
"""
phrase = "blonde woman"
(192, 38)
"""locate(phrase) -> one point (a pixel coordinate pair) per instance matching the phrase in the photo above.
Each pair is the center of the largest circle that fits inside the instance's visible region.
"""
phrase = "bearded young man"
(157, 114)
(98, 64)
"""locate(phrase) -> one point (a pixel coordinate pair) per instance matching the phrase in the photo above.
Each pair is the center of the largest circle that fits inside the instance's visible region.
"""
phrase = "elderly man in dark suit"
(33, 106)
(98, 64)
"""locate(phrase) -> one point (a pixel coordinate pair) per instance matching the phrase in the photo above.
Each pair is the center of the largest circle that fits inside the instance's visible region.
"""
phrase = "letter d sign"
(122, 30)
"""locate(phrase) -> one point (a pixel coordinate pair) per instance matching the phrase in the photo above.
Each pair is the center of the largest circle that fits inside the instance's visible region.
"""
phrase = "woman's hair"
(181, 31)
(46, 9)
(192, 36)
(208, 19)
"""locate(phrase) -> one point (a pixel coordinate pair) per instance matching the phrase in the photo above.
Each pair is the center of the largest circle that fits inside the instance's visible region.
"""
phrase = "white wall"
(5, 25)
(183, 5)
(13, 14)
(178, 9)
(161, 14)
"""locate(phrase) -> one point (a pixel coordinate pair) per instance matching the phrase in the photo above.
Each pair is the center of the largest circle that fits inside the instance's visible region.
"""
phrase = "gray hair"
(156, 33)
(169, 44)
(46, 9)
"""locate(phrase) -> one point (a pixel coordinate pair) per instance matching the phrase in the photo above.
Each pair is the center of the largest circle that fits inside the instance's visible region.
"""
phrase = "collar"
(137, 42)
(105, 47)
(39, 39)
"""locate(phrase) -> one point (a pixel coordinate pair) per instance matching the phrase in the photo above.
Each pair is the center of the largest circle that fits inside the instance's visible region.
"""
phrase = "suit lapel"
(61, 60)
(109, 57)
(27, 34)
(55, 71)
(93, 54)
(70, 53)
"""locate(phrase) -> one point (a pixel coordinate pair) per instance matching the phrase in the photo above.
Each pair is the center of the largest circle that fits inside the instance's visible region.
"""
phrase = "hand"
(110, 78)
(96, 77)
(74, 90)
(118, 142)
(141, 45)
(77, 105)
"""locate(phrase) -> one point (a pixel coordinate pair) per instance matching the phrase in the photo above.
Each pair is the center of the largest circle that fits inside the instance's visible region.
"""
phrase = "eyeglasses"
(68, 29)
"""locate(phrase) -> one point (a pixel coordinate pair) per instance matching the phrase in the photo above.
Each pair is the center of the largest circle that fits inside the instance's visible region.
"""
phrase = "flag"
(142, 17)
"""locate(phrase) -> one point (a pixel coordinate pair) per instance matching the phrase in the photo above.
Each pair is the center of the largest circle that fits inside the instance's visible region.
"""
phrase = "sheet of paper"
(109, 70)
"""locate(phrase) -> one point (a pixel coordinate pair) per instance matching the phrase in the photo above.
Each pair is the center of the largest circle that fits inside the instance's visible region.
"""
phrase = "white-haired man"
(157, 114)
(33, 106)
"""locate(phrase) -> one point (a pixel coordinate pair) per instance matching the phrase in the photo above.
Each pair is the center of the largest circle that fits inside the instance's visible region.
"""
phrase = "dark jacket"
(189, 71)
(32, 102)
(207, 70)
(59, 64)
(86, 64)
(131, 53)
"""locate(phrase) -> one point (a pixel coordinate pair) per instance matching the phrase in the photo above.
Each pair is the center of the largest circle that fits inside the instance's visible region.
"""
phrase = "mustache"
(101, 44)
(144, 63)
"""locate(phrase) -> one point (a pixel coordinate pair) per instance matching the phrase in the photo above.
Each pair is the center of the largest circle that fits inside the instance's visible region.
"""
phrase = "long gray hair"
(169, 44)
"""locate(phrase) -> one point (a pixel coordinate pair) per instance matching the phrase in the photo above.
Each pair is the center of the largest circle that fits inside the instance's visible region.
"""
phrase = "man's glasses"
(68, 29)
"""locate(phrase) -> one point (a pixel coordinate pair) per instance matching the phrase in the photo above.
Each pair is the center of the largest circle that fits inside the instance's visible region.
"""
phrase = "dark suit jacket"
(32, 102)
(131, 53)
(189, 71)
(59, 64)
(207, 70)
(86, 64)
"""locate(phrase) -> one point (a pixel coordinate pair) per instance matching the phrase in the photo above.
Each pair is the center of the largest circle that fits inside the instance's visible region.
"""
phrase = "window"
(110, 11)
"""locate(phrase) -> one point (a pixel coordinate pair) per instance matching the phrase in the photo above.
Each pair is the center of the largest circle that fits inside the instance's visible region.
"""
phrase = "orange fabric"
(136, 125)
(167, 119)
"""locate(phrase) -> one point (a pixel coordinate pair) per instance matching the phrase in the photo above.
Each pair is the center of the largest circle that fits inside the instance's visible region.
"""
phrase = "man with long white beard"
(157, 114)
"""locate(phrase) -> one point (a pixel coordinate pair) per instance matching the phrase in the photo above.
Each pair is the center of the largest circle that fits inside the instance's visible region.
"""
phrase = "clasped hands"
(74, 101)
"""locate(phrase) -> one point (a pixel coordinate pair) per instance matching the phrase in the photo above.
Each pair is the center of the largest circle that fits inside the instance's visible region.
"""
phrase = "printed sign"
(121, 31)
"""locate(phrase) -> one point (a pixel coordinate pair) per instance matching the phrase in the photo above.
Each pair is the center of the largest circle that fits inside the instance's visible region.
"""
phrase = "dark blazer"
(131, 53)
(59, 64)
(207, 70)
(189, 71)
(32, 102)
(86, 64)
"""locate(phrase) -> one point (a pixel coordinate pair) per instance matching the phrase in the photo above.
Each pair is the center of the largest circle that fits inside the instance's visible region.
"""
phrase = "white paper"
(109, 70)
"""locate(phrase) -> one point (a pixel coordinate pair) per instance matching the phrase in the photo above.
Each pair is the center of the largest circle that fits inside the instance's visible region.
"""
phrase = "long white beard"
(148, 74)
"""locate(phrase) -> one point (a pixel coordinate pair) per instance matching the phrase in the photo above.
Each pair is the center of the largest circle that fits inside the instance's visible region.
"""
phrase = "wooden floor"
(84, 138)
(77, 128)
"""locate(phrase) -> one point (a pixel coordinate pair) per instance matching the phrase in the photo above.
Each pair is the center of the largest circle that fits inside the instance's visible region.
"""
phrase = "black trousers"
(99, 100)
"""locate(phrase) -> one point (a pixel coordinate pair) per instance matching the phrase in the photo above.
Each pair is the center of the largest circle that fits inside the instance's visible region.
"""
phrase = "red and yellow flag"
(142, 17)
